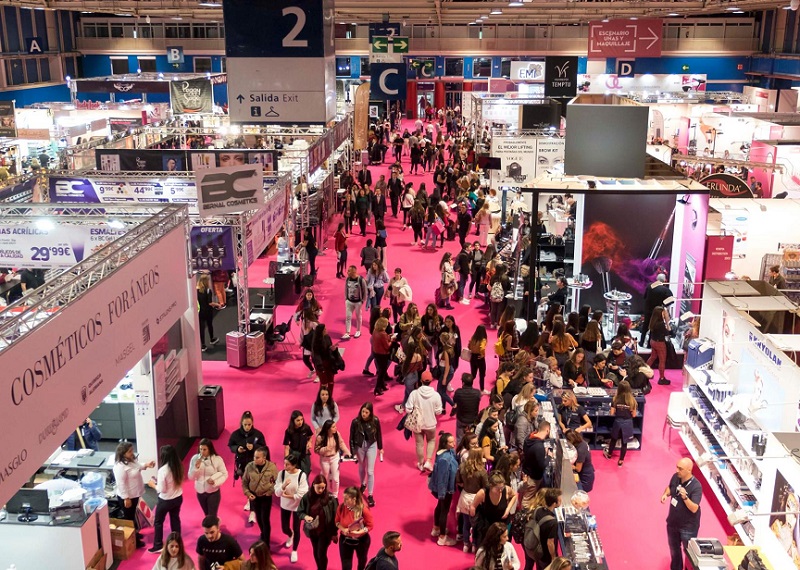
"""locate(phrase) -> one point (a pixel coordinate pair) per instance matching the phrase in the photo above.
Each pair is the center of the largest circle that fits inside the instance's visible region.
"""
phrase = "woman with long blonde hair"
(624, 409)
(471, 478)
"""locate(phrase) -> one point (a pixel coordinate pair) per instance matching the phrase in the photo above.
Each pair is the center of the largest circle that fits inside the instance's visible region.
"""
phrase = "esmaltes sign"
(232, 189)
(26, 245)
(56, 376)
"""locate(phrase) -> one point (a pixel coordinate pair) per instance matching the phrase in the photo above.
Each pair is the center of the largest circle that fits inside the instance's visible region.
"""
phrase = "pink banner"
(719, 255)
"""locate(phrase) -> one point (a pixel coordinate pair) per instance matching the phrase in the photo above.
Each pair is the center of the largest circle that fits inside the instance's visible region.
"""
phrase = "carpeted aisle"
(625, 500)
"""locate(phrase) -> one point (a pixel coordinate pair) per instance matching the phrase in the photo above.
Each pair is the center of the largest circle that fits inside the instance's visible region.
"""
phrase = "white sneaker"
(293, 557)
(435, 531)
(247, 506)
(358, 334)
(465, 301)
(428, 466)
(450, 387)
(312, 374)
(445, 540)
(289, 542)
(316, 380)
(346, 336)
(252, 518)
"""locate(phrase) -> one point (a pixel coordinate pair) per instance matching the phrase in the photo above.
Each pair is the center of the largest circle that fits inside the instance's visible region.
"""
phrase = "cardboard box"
(123, 538)
(98, 561)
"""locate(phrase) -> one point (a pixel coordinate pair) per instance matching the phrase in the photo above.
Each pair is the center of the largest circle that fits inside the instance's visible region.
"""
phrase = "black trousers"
(206, 322)
(262, 506)
(209, 502)
(382, 364)
(477, 367)
(359, 547)
(164, 507)
(441, 511)
(290, 524)
(320, 546)
(341, 263)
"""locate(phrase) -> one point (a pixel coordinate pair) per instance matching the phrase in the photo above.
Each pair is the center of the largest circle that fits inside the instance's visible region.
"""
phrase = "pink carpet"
(625, 500)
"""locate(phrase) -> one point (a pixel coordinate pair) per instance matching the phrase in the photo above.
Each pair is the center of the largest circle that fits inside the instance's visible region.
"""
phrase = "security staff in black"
(684, 493)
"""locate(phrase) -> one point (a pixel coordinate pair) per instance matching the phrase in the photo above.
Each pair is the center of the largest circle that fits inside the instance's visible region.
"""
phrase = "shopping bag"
(144, 514)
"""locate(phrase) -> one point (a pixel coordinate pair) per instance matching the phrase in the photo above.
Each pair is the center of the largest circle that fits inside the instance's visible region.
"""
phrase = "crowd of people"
(495, 465)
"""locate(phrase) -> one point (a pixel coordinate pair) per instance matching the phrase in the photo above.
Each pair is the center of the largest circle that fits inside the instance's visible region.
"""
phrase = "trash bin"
(212, 411)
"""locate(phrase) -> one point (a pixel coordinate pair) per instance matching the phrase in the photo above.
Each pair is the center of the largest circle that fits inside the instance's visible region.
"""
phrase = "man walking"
(428, 403)
(355, 293)
(684, 493)
(466, 403)
(463, 266)
(386, 559)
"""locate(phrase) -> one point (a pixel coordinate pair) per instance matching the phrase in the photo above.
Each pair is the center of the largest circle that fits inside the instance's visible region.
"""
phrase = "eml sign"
(532, 71)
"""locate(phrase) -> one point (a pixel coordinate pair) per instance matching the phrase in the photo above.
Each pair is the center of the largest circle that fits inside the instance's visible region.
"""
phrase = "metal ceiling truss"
(72, 284)
(440, 12)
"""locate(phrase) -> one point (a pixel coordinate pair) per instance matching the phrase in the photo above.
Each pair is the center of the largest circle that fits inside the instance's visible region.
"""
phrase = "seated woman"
(575, 369)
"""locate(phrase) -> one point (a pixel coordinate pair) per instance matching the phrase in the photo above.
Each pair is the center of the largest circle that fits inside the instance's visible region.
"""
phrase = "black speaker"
(212, 411)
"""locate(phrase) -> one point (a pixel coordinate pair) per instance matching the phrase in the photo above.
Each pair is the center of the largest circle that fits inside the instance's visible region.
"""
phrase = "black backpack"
(518, 523)
(532, 541)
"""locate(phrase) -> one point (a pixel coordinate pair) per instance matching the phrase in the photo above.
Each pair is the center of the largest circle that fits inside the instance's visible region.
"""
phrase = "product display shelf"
(743, 437)
(597, 409)
(747, 478)
(745, 533)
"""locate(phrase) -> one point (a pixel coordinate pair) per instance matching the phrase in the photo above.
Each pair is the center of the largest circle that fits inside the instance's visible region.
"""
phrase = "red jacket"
(381, 342)
(341, 241)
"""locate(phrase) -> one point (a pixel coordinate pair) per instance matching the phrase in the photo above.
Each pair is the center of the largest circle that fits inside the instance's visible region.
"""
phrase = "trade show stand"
(740, 427)
(44, 543)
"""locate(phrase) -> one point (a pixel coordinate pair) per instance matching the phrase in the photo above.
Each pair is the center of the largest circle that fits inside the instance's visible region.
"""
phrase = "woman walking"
(298, 439)
(399, 293)
(354, 521)
(330, 446)
(318, 510)
(659, 331)
(417, 217)
(477, 356)
(409, 196)
(496, 552)
(381, 343)
(322, 348)
(340, 245)
(492, 504)
(290, 486)
(442, 485)
(366, 440)
(348, 212)
(259, 557)
(448, 280)
(174, 556)
(377, 278)
(206, 303)
(624, 409)
(258, 484)
(323, 409)
(309, 243)
(310, 322)
(471, 478)
(446, 369)
(208, 471)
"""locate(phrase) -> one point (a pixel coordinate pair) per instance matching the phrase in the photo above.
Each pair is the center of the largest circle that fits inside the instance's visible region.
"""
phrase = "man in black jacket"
(467, 402)
(396, 190)
(386, 559)
(535, 460)
(463, 265)
(655, 295)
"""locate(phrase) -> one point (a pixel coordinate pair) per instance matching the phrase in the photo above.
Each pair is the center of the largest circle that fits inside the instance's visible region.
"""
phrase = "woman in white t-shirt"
(170, 495)
(290, 486)
(129, 483)
(174, 555)
(208, 471)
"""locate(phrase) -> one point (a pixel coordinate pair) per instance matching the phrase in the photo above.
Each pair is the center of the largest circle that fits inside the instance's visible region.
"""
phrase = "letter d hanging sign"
(387, 81)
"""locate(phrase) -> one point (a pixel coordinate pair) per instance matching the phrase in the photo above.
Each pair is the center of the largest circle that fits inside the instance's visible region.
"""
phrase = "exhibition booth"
(117, 309)
(741, 395)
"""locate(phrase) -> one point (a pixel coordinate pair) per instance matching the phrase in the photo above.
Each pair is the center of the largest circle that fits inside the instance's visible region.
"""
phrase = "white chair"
(676, 414)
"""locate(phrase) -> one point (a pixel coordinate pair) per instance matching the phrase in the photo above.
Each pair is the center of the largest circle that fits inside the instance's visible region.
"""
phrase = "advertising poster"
(212, 248)
(550, 156)
(8, 122)
(172, 160)
(612, 83)
(230, 190)
(624, 250)
(123, 124)
(27, 246)
(517, 160)
(191, 96)
(719, 256)
(785, 527)
(560, 76)
(265, 224)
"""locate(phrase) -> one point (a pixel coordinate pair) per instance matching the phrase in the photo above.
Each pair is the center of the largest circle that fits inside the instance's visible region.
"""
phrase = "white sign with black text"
(517, 160)
(58, 374)
(231, 189)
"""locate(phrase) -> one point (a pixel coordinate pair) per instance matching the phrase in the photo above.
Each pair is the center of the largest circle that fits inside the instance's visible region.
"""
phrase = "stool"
(676, 414)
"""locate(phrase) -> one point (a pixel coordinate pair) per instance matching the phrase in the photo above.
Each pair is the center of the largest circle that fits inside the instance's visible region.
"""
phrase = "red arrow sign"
(625, 38)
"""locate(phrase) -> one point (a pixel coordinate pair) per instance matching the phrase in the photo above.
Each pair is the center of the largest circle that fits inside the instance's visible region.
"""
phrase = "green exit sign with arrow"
(385, 49)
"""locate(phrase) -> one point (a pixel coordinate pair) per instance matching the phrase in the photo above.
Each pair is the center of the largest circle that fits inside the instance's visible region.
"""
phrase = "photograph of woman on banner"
(231, 159)
(173, 163)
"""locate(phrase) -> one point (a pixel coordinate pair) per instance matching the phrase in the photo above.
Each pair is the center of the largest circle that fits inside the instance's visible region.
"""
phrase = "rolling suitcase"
(236, 347)
(256, 349)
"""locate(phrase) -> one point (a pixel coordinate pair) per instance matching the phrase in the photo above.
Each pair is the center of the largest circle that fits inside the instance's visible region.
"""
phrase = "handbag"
(413, 421)
(302, 253)
(308, 527)
(499, 346)
(437, 227)
(466, 354)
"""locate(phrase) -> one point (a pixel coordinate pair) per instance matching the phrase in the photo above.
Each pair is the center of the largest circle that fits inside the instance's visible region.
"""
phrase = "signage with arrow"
(388, 49)
(625, 38)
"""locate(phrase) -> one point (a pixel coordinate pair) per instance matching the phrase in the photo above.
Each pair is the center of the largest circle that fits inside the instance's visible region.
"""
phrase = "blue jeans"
(462, 284)
(441, 388)
(410, 381)
(430, 236)
(376, 300)
(366, 465)
(678, 538)
(466, 527)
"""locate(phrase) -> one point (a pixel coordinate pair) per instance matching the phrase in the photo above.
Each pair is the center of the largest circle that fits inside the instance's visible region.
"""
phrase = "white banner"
(56, 376)
(612, 83)
(517, 160)
(550, 155)
(26, 245)
(230, 189)
(531, 71)
(264, 225)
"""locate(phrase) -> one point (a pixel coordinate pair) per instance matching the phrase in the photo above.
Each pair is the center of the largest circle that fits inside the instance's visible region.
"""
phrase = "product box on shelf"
(123, 538)
(700, 353)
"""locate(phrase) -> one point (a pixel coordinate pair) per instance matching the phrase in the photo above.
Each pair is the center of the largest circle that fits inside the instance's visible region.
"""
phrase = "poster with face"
(728, 329)
(231, 159)
(785, 527)
(550, 156)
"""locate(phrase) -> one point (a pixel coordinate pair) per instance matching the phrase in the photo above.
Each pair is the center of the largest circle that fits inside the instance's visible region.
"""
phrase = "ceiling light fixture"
(515, 4)
(738, 12)
(496, 12)
(634, 18)
(210, 4)
(673, 14)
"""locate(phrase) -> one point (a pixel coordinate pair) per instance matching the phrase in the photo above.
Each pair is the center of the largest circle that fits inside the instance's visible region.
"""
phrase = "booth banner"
(319, 152)
(120, 86)
(30, 185)
(341, 132)
(167, 160)
(212, 248)
(517, 160)
(26, 245)
(34, 124)
(114, 191)
(361, 117)
(612, 83)
(124, 124)
(561, 76)
(549, 155)
(191, 96)
(726, 186)
(8, 121)
(265, 224)
(530, 71)
(59, 373)
(230, 190)
(719, 257)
